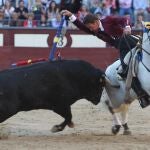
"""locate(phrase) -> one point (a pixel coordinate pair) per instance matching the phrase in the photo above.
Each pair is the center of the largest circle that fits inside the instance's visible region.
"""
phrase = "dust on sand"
(31, 130)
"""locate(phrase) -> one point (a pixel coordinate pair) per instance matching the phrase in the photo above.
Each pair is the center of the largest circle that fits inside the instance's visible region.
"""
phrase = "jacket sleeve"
(80, 25)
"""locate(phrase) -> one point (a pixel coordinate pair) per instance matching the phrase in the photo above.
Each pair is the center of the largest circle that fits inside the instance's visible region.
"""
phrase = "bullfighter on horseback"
(116, 31)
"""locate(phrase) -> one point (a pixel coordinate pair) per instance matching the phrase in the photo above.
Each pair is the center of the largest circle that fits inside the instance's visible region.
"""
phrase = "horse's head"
(147, 25)
(146, 35)
(146, 30)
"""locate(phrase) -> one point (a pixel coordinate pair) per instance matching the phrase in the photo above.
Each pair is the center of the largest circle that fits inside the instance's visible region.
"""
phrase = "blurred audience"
(108, 7)
(71, 5)
(2, 2)
(83, 11)
(1, 17)
(138, 22)
(21, 10)
(30, 22)
(43, 21)
(46, 13)
(125, 8)
(95, 6)
(51, 13)
(140, 7)
(15, 21)
(8, 11)
(56, 22)
(38, 9)
(26, 3)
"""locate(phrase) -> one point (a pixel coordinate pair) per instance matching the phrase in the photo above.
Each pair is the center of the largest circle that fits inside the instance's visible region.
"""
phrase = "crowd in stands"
(46, 13)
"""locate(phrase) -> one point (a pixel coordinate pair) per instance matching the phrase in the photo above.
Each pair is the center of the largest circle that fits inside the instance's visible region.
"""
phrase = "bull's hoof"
(56, 128)
(71, 125)
(115, 129)
(127, 132)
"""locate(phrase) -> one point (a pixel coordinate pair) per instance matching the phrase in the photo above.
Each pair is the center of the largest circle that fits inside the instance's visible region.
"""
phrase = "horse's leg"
(116, 124)
(124, 118)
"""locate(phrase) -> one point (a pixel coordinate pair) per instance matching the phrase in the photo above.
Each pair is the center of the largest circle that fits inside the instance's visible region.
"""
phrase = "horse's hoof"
(115, 129)
(127, 132)
(56, 128)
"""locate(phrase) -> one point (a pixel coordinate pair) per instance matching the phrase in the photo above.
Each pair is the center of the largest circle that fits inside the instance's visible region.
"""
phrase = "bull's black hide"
(49, 85)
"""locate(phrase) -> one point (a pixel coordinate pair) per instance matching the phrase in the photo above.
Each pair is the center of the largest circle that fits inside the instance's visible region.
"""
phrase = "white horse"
(116, 89)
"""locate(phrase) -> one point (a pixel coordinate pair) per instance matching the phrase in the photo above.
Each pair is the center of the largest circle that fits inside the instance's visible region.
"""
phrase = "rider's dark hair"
(90, 18)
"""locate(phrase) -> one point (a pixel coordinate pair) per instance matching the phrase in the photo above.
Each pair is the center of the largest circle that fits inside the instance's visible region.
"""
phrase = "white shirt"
(29, 23)
(100, 26)
(9, 12)
(72, 18)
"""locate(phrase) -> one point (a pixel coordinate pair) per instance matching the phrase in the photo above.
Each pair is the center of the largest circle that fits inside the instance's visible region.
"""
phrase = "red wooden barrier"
(10, 53)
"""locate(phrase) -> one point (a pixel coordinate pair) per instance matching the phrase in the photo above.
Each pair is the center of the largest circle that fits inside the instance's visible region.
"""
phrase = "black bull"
(52, 85)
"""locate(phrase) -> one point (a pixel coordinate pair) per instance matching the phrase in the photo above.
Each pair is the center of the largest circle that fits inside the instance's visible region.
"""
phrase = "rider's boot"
(123, 71)
(143, 97)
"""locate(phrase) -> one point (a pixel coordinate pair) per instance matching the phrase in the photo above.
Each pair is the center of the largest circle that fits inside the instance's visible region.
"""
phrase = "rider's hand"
(66, 13)
(127, 30)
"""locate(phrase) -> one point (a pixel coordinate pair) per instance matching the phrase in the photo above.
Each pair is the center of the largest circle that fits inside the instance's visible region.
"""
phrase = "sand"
(31, 130)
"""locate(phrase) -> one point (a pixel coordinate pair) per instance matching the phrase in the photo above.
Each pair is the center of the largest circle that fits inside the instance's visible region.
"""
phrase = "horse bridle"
(148, 53)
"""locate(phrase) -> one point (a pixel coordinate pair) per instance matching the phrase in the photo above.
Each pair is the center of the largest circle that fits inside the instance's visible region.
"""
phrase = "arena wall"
(23, 44)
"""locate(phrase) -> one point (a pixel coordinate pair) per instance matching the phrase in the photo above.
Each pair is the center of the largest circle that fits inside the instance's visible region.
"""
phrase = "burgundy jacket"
(113, 28)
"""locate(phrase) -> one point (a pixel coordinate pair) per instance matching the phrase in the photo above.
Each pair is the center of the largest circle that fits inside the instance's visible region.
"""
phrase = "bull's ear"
(102, 79)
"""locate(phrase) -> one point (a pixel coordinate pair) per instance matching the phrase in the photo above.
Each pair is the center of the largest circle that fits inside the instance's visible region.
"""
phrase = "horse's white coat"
(117, 95)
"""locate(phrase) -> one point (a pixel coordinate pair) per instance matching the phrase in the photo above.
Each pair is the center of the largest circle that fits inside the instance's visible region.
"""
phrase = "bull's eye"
(101, 80)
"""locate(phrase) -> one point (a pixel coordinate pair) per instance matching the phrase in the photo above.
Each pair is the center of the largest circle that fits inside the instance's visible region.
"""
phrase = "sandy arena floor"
(31, 130)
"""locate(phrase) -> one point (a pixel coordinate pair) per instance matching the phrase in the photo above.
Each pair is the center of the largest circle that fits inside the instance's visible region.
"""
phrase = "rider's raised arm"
(76, 22)
(80, 25)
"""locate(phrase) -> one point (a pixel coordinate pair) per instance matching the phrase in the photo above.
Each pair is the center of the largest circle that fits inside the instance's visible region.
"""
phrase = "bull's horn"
(110, 83)
(107, 80)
